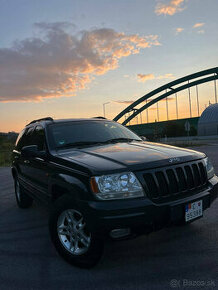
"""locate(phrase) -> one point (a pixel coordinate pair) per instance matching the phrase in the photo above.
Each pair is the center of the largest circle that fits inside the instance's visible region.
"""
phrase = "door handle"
(26, 161)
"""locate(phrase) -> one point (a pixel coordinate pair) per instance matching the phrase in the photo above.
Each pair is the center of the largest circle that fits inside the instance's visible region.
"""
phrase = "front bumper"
(142, 215)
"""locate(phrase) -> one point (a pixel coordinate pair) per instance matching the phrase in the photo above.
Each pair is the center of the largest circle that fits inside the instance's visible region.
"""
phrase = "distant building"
(208, 122)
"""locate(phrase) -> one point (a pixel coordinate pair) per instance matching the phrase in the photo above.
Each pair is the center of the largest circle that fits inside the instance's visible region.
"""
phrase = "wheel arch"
(57, 191)
(67, 185)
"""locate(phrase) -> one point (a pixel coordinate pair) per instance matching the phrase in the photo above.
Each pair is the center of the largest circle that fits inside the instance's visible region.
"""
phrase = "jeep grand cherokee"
(100, 179)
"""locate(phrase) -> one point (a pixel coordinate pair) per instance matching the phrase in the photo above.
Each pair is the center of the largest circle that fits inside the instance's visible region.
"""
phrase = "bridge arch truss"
(169, 89)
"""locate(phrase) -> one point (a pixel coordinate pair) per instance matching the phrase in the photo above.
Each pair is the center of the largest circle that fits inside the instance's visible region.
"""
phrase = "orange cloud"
(129, 102)
(143, 78)
(179, 30)
(164, 100)
(199, 24)
(59, 63)
(169, 8)
(166, 76)
(146, 77)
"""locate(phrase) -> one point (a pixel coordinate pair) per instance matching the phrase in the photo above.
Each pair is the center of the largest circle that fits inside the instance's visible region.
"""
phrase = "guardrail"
(5, 158)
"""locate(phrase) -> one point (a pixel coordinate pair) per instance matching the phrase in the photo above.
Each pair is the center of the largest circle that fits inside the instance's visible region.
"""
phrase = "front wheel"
(23, 200)
(71, 236)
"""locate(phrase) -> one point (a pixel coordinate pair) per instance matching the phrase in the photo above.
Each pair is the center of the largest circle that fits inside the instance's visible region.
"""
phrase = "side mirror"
(32, 151)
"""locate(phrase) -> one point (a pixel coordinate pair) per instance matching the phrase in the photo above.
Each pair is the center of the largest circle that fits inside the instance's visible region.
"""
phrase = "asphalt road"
(166, 259)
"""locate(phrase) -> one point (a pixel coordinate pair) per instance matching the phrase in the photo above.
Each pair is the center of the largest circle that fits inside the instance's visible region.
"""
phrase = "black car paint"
(127, 156)
(68, 171)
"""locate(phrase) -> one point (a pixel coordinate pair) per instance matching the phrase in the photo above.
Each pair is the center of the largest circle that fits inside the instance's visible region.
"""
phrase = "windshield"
(88, 133)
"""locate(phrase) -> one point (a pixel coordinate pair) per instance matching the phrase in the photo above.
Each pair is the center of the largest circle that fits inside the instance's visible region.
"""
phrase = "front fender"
(76, 187)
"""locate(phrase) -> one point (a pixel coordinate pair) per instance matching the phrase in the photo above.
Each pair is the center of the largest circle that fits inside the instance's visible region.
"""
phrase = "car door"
(37, 167)
(18, 160)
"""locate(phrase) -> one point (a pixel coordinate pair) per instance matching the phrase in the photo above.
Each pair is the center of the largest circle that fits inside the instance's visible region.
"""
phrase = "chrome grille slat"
(157, 183)
(174, 180)
(167, 181)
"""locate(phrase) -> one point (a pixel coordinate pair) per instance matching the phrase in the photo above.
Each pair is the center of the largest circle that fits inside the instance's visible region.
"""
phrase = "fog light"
(120, 233)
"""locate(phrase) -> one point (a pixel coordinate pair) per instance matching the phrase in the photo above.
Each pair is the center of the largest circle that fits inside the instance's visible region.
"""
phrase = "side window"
(19, 140)
(38, 138)
(24, 138)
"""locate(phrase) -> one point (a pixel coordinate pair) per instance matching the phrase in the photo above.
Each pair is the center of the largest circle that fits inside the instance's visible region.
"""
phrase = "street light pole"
(158, 119)
(197, 100)
(190, 104)
(215, 89)
(177, 107)
(167, 107)
(104, 108)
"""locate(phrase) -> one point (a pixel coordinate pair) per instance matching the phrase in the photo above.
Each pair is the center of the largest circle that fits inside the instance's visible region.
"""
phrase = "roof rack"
(42, 119)
(99, 117)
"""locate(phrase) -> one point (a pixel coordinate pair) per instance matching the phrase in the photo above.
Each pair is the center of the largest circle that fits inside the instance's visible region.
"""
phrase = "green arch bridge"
(168, 89)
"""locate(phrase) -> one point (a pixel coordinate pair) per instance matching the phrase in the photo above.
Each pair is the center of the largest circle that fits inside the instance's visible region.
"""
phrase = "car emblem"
(175, 159)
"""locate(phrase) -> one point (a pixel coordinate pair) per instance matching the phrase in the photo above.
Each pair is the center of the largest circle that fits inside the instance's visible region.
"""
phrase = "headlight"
(209, 167)
(116, 186)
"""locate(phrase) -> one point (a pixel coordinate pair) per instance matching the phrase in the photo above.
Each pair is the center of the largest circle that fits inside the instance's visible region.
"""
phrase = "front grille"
(175, 180)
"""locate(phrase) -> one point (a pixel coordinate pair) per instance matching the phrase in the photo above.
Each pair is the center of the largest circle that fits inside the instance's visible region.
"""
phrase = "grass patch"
(5, 158)
(6, 148)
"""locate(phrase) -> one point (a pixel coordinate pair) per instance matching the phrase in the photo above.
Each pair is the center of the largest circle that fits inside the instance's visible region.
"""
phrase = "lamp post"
(190, 104)
(104, 108)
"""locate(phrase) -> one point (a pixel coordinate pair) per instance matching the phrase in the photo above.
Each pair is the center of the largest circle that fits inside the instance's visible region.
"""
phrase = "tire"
(23, 200)
(71, 237)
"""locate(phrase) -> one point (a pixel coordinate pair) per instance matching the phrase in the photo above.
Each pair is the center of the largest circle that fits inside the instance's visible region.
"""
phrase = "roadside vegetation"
(6, 147)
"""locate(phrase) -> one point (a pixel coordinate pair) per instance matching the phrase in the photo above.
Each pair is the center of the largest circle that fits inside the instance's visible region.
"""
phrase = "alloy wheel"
(72, 232)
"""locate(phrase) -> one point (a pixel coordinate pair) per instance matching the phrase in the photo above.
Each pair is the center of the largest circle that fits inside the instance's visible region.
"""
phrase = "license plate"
(193, 210)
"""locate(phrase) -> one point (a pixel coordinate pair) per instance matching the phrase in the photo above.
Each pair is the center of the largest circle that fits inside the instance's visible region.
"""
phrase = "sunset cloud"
(143, 78)
(169, 8)
(129, 102)
(201, 31)
(147, 77)
(166, 76)
(179, 30)
(59, 64)
(199, 24)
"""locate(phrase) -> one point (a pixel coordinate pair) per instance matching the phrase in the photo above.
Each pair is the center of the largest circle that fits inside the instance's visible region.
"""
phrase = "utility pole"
(190, 104)
(215, 89)
(158, 112)
(147, 112)
(167, 107)
(104, 108)
(177, 115)
(197, 100)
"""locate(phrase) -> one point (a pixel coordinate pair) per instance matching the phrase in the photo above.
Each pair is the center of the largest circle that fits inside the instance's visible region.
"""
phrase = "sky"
(66, 58)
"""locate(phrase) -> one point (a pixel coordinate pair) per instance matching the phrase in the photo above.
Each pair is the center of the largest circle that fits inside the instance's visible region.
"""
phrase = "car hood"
(128, 156)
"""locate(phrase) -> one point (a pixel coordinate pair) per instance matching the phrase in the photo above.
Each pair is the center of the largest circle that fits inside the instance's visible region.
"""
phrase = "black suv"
(100, 179)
